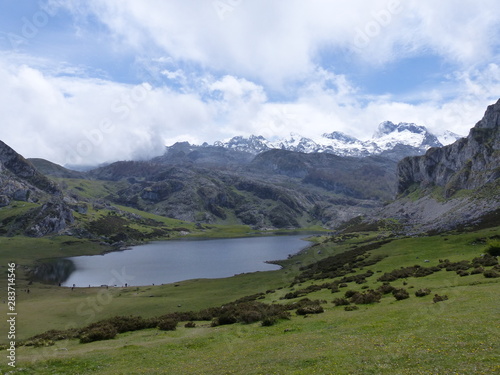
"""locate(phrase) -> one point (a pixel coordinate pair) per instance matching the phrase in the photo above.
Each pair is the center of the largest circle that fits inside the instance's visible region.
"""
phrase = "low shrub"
(130, 323)
(422, 292)
(269, 321)
(251, 316)
(351, 308)
(56, 335)
(400, 294)
(38, 343)
(462, 273)
(167, 325)
(340, 302)
(98, 332)
(226, 318)
(349, 293)
(486, 260)
(477, 271)
(190, 325)
(494, 248)
(405, 272)
(437, 298)
(463, 265)
(291, 295)
(370, 296)
(490, 274)
(310, 309)
(386, 288)
(209, 314)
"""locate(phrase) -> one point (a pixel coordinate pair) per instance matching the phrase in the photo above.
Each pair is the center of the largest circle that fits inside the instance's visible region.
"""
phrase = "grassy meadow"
(460, 335)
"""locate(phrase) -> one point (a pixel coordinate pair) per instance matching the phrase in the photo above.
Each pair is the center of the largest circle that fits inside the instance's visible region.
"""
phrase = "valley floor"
(416, 335)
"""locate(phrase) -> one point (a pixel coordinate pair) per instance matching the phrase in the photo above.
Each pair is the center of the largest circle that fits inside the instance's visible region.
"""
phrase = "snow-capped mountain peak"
(339, 136)
(388, 127)
(448, 137)
(393, 140)
(388, 135)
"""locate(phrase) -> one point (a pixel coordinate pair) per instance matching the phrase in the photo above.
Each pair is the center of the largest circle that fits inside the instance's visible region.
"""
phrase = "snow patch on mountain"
(448, 137)
(388, 137)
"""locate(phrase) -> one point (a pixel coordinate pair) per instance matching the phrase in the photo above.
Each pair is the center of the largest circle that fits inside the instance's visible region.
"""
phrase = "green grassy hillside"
(415, 335)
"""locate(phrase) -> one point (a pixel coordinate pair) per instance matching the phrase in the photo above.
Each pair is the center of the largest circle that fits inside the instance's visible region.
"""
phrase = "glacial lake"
(166, 262)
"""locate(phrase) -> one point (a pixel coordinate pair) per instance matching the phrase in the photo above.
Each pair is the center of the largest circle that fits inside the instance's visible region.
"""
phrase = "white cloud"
(272, 42)
(73, 120)
(212, 76)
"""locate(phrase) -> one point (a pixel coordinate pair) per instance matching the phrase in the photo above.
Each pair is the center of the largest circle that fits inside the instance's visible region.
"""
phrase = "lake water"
(171, 261)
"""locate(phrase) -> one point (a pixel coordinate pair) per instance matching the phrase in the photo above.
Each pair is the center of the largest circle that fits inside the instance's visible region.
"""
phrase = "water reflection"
(54, 272)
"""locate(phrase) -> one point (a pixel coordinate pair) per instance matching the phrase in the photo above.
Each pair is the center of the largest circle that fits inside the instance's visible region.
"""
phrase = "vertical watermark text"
(11, 314)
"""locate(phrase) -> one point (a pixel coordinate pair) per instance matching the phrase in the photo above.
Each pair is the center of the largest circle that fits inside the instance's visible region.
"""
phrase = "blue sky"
(101, 80)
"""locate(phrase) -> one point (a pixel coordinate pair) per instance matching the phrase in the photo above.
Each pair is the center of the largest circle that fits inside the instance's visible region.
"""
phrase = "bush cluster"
(494, 248)
(490, 274)
(341, 264)
(438, 298)
(486, 260)
(422, 292)
(405, 272)
(341, 302)
(310, 309)
(400, 294)
(167, 325)
(351, 308)
(385, 288)
(462, 265)
(97, 332)
(251, 312)
(477, 271)
(109, 328)
(370, 296)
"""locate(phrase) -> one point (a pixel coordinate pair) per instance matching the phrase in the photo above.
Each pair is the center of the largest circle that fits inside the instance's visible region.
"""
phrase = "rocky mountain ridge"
(396, 140)
(452, 186)
(277, 188)
(468, 163)
(274, 188)
(20, 181)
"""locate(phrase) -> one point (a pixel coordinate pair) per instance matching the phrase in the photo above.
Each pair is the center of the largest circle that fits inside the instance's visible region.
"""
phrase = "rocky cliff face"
(21, 181)
(466, 164)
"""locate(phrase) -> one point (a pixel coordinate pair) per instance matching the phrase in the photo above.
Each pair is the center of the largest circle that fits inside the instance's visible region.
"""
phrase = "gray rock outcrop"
(468, 163)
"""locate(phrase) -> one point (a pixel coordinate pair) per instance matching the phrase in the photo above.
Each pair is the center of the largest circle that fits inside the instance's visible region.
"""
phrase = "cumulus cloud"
(73, 120)
(210, 70)
(274, 41)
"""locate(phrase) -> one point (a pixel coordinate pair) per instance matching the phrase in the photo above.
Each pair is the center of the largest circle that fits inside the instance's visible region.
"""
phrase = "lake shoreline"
(165, 262)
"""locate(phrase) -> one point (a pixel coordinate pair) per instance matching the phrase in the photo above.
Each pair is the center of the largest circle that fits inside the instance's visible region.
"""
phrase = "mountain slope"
(19, 179)
(277, 188)
(44, 211)
(453, 186)
(51, 169)
(362, 178)
(466, 164)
